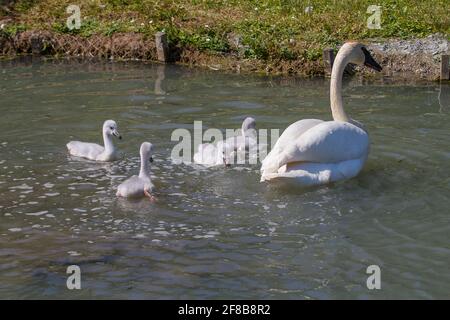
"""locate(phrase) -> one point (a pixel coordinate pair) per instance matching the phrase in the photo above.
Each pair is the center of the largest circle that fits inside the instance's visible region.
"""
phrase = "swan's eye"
(112, 128)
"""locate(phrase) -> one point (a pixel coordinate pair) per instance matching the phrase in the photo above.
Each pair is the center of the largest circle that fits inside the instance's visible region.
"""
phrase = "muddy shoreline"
(416, 59)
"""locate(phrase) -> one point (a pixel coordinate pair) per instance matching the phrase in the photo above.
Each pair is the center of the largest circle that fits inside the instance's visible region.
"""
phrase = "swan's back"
(290, 134)
(332, 142)
(206, 155)
(85, 149)
(134, 187)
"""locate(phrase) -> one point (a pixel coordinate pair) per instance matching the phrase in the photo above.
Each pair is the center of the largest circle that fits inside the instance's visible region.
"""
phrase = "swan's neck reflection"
(444, 97)
(160, 76)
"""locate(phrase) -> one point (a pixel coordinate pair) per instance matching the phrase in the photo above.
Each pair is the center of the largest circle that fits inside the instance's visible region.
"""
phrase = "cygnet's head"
(248, 124)
(224, 153)
(358, 54)
(146, 151)
(110, 129)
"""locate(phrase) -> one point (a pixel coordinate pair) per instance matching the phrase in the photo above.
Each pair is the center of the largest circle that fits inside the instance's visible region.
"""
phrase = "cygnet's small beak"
(227, 165)
(117, 134)
(150, 159)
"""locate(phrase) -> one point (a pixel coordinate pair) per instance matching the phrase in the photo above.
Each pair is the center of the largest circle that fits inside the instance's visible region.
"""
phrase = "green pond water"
(215, 232)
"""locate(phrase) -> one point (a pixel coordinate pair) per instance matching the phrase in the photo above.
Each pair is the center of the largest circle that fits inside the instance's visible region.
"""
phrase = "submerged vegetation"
(256, 29)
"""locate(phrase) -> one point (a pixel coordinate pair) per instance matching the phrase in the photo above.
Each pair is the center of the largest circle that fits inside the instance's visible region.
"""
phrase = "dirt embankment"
(416, 58)
(413, 59)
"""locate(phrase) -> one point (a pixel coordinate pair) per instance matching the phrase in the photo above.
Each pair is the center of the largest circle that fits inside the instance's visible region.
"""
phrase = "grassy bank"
(264, 30)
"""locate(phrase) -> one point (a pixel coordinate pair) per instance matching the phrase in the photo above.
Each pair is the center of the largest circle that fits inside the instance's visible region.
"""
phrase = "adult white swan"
(139, 186)
(314, 152)
(93, 151)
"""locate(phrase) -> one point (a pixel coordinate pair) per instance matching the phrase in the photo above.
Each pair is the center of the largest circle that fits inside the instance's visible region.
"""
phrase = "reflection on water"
(160, 76)
(444, 97)
(214, 233)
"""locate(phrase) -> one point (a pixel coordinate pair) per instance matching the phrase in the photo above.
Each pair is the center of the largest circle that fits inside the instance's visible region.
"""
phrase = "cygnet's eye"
(112, 128)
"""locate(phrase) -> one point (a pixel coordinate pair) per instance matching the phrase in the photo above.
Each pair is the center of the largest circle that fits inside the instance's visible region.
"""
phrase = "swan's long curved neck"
(243, 129)
(144, 172)
(109, 146)
(247, 132)
(337, 73)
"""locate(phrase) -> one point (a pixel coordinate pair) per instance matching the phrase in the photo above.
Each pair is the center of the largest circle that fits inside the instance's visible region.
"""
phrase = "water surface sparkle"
(214, 233)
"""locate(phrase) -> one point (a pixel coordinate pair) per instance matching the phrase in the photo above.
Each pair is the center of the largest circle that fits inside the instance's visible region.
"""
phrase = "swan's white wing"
(289, 136)
(327, 142)
(85, 149)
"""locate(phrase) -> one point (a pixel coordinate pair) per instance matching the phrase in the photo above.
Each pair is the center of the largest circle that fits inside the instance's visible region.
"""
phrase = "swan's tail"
(267, 171)
(312, 174)
(268, 177)
(298, 177)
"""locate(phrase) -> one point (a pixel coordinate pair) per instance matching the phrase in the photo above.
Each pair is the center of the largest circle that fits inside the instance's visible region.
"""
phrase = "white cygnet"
(139, 186)
(93, 151)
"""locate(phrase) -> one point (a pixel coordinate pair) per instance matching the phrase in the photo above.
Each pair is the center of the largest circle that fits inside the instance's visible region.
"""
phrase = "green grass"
(12, 29)
(269, 29)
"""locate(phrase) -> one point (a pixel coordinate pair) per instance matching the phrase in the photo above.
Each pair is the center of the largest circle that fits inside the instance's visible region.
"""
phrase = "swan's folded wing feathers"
(84, 149)
(350, 168)
(328, 142)
(331, 142)
(286, 140)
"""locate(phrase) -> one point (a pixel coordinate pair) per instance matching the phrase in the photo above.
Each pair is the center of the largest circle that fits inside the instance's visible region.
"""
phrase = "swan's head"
(224, 153)
(248, 124)
(146, 151)
(110, 129)
(358, 54)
